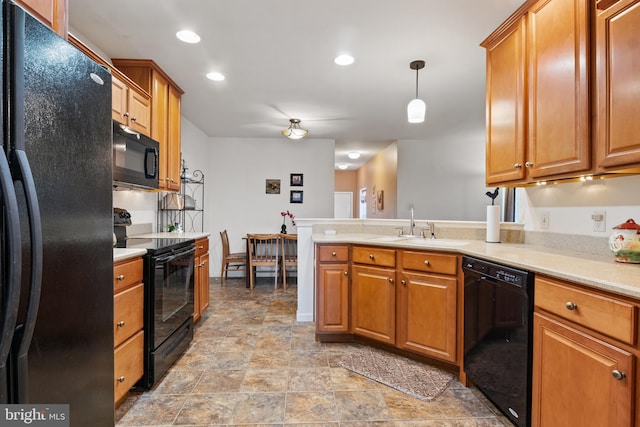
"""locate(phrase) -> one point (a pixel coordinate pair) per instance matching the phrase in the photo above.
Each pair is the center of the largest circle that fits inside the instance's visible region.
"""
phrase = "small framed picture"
(380, 200)
(296, 196)
(296, 180)
(273, 186)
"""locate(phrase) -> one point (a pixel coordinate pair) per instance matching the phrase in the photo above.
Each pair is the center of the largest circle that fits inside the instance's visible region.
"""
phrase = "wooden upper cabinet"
(506, 105)
(165, 114)
(558, 60)
(618, 84)
(129, 106)
(538, 114)
(52, 13)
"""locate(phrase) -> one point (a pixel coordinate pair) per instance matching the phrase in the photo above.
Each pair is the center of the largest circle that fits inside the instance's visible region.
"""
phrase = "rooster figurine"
(492, 195)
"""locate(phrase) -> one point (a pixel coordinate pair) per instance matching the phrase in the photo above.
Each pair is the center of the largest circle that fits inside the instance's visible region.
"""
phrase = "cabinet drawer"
(128, 308)
(374, 256)
(604, 314)
(126, 274)
(202, 247)
(333, 253)
(128, 365)
(430, 262)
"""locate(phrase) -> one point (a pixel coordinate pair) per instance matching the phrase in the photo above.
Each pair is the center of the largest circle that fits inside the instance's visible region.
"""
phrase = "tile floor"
(252, 364)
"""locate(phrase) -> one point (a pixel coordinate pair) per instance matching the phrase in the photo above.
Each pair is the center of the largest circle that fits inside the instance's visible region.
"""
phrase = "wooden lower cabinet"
(332, 293)
(128, 323)
(373, 303)
(579, 380)
(426, 317)
(201, 278)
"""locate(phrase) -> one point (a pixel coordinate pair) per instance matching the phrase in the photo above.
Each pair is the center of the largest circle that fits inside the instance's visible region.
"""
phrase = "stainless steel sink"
(435, 242)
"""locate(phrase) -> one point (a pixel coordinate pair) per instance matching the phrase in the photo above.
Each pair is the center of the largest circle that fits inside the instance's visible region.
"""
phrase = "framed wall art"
(273, 186)
(296, 197)
(296, 180)
(380, 200)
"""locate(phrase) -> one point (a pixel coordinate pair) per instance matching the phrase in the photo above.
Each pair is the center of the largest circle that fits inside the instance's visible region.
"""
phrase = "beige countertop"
(121, 254)
(600, 272)
(173, 235)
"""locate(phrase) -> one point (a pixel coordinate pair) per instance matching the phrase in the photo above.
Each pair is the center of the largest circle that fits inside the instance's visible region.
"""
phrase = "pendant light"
(294, 131)
(416, 108)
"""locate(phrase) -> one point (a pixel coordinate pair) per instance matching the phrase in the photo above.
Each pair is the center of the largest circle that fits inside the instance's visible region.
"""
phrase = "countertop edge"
(123, 254)
(598, 272)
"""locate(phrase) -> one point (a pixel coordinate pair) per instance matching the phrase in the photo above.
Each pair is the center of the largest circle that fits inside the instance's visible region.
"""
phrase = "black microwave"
(135, 158)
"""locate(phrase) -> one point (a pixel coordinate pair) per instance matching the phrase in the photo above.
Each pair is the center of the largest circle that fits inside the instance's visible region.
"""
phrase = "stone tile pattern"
(417, 379)
(252, 364)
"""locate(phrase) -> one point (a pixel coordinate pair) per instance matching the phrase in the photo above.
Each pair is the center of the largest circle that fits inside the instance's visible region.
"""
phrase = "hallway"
(252, 364)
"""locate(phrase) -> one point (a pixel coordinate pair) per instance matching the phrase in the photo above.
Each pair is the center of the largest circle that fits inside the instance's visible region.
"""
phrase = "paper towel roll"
(493, 224)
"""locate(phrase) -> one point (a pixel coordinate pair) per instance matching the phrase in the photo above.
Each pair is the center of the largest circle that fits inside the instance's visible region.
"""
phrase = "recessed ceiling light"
(354, 155)
(343, 166)
(344, 60)
(188, 36)
(215, 76)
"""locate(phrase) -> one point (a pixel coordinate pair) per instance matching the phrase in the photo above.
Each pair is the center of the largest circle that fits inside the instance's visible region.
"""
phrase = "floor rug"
(414, 378)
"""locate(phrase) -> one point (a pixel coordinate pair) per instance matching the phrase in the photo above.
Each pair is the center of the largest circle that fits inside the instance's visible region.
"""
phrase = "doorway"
(343, 204)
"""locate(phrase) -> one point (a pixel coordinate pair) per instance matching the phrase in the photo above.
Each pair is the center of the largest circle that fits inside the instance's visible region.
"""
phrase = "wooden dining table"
(248, 269)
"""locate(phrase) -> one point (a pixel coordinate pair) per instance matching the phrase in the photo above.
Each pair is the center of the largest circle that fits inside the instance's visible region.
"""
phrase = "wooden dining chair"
(237, 260)
(263, 252)
(289, 254)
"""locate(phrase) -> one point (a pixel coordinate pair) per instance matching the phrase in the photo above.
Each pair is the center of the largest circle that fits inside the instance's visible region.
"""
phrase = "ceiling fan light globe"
(416, 111)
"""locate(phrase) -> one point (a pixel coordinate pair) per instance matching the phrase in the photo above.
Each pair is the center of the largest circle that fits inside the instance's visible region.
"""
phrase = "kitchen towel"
(493, 224)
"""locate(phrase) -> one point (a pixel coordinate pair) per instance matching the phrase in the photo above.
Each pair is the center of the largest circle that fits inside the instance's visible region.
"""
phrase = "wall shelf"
(183, 211)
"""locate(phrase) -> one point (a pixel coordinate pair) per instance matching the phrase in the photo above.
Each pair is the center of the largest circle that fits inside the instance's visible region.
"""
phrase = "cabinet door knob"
(619, 375)
(517, 166)
(121, 379)
(528, 164)
(346, 273)
(371, 256)
(426, 262)
(391, 280)
(133, 119)
(200, 247)
(571, 305)
(333, 254)
(120, 324)
(404, 282)
(120, 277)
(125, 114)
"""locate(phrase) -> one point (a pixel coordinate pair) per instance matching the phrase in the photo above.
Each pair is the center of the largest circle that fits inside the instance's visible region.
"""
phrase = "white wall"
(570, 205)
(444, 179)
(235, 173)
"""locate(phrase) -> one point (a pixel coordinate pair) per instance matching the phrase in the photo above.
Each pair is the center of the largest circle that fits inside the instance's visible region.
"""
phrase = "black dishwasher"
(498, 335)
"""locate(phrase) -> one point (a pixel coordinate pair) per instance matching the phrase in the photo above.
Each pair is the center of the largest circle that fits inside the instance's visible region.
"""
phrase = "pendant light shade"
(416, 111)
(417, 108)
(294, 131)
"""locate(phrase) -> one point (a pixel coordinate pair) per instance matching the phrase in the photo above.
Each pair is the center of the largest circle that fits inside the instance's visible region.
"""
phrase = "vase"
(283, 229)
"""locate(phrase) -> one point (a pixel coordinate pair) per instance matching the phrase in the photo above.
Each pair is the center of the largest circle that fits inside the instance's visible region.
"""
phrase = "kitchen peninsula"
(585, 306)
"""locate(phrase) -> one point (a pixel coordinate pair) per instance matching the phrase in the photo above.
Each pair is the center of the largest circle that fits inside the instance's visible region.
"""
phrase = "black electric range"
(168, 301)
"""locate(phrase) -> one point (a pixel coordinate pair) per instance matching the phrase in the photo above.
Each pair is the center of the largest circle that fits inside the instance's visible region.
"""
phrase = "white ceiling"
(277, 56)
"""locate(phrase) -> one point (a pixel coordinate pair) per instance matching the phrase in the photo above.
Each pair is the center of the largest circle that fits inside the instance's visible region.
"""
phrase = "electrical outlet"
(544, 220)
(598, 219)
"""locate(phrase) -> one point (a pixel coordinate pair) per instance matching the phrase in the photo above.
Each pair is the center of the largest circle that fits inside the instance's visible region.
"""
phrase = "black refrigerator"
(56, 265)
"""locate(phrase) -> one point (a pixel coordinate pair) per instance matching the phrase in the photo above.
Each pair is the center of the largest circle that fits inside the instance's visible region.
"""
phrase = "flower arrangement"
(286, 214)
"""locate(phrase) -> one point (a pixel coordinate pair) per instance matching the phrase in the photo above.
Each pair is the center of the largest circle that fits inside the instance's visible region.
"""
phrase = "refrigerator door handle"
(23, 172)
(12, 274)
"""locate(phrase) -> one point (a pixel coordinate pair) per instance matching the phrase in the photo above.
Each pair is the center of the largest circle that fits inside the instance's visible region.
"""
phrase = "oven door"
(173, 286)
